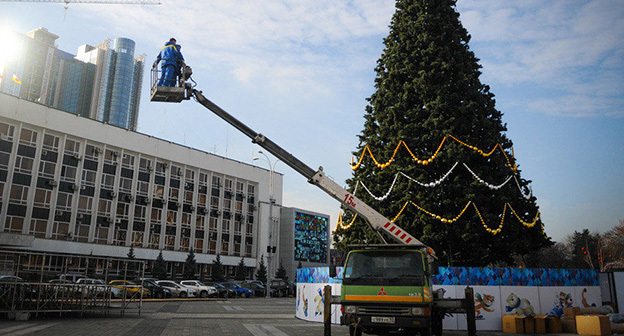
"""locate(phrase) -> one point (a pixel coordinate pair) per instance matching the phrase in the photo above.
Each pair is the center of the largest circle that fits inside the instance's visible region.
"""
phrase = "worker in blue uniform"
(172, 60)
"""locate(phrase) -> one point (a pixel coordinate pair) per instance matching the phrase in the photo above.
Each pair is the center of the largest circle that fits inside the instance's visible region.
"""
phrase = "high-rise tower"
(100, 82)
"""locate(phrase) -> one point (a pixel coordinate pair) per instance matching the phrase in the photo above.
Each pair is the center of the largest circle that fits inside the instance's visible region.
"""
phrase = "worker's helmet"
(172, 40)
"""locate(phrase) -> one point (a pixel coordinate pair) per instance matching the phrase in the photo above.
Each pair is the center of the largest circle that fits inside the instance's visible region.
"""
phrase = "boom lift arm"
(377, 221)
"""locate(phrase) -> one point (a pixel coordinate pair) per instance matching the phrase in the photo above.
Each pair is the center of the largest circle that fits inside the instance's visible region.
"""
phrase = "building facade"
(81, 186)
(303, 239)
(102, 82)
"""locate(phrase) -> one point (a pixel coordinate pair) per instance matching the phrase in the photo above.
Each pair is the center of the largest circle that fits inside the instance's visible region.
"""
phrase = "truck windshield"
(370, 267)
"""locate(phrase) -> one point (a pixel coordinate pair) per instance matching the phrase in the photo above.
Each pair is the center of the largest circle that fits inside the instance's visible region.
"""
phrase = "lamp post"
(271, 221)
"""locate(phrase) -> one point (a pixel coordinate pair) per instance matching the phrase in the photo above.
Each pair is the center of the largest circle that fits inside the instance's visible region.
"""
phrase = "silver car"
(177, 289)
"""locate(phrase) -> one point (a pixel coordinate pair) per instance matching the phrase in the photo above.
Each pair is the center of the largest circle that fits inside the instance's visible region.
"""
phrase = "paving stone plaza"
(257, 317)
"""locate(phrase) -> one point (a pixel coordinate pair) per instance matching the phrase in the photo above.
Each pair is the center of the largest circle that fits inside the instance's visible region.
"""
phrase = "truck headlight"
(418, 311)
(351, 309)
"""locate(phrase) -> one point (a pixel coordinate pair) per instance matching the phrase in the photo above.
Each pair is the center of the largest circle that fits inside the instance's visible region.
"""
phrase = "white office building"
(75, 185)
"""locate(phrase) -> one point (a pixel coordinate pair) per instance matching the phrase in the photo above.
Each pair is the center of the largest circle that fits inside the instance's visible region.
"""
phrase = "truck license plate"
(378, 319)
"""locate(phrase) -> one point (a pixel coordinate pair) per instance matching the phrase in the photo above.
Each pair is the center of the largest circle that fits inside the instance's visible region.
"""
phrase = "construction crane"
(96, 2)
(102, 2)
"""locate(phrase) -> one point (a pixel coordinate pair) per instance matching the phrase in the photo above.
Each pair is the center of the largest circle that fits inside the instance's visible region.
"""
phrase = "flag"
(16, 80)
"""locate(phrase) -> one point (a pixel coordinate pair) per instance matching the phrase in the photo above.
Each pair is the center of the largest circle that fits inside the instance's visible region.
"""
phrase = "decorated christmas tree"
(433, 135)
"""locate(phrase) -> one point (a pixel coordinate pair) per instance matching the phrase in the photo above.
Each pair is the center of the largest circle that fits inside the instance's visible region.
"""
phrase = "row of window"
(58, 187)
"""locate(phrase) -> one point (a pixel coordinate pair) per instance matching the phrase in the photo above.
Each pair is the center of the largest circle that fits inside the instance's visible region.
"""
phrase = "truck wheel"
(355, 331)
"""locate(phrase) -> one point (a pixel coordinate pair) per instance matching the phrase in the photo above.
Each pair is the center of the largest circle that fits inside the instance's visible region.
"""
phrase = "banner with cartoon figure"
(497, 292)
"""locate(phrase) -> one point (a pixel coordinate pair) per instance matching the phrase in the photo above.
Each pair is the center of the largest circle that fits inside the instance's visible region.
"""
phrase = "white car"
(116, 293)
(177, 289)
(204, 290)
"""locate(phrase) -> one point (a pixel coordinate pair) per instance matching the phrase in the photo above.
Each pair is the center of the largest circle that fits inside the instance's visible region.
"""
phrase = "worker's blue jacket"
(170, 54)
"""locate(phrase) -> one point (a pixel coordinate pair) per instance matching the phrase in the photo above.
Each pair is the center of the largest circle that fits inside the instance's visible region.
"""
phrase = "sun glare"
(7, 54)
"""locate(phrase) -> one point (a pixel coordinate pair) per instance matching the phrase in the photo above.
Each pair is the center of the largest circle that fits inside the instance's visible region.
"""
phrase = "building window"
(14, 224)
(51, 142)
(154, 237)
(127, 161)
(85, 204)
(46, 169)
(19, 194)
(161, 167)
(93, 152)
(199, 241)
(72, 147)
(214, 202)
(60, 230)
(120, 235)
(108, 181)
(125, 184)
(212, 242)
(137, 238)
(172, 218)
(82, 232)
(145, 165)
(89, 177)
(123, 210)
(101, 234)
(190, 175)
(23, 164)
(64, 201)
(104, 207)
(200, 222)
(68, 173)
(142, 187)
(225, 225)
(228, 185)
(110, 156)
(139, 213)
(6, 131)
(173, 193)
(4, 159)
(43, 198)
(203, 179)
(38, 227)
(28, 137)
(170, 233)
(225, 244)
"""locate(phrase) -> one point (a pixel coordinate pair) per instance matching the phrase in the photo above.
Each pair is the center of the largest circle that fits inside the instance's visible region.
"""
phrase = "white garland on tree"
(440, 180)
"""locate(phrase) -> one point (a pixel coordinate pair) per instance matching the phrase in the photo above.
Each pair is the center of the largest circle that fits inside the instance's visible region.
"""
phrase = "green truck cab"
(388, 288)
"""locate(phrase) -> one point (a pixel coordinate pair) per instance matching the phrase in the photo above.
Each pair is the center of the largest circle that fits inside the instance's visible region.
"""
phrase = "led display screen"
(311, 233)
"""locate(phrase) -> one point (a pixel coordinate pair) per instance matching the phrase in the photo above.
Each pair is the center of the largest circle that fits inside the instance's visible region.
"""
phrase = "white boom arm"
(377, 221)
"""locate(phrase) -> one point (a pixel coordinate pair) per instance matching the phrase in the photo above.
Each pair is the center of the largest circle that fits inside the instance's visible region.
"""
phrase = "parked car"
(60, 281)
(116, 292)
(156, 291)
(71, 277)
(10, 278)
(203, 289)
(222, 292)
(177, 290)
(257, 289)
(240, 291)
(280, 288)
(130, 288)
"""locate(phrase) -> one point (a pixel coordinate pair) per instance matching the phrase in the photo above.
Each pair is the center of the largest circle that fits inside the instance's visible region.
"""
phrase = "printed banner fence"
(498, 291)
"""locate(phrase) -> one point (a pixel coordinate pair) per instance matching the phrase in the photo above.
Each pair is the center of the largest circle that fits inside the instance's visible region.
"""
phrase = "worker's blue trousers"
(168, 76)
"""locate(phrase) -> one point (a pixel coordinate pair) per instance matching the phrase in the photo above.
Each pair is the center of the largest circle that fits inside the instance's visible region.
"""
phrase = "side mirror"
(332, 271)
(434, 267)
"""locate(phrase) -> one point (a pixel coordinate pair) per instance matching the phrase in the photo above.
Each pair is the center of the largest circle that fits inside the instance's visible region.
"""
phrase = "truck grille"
(393, 311)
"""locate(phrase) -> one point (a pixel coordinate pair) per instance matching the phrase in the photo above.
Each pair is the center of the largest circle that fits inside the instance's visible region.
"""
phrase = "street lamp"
(271, 221)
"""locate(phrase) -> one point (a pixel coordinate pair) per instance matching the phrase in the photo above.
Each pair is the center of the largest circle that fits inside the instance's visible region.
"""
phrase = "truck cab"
(387, 288)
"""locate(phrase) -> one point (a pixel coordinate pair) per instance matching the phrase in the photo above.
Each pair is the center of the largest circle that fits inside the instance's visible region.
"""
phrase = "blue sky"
(300, 71)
